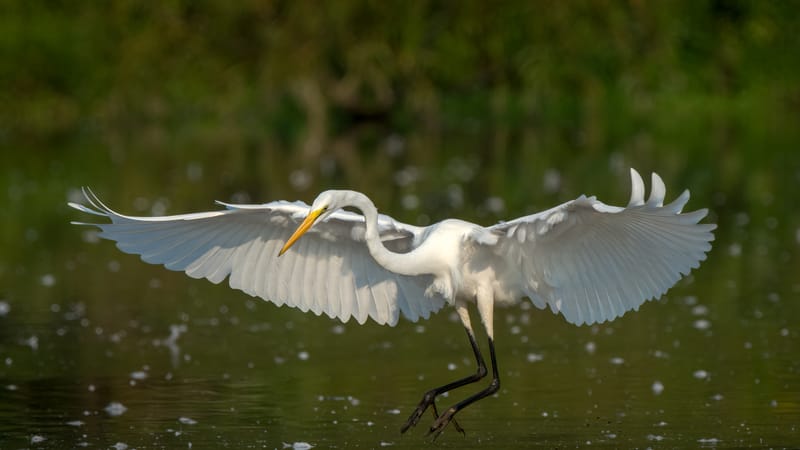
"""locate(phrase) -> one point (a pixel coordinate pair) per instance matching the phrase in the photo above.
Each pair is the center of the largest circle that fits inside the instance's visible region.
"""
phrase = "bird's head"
(324, 205)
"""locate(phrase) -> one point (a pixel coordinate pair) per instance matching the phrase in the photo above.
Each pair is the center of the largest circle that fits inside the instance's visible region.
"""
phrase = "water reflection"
(113, 358)
(99, 349)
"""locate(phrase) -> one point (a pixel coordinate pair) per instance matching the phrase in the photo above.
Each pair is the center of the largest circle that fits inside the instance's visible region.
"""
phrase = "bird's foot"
(427, 400)
(441, 422)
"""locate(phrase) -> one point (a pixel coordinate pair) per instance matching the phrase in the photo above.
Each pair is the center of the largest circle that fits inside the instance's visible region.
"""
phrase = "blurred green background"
(484, 111)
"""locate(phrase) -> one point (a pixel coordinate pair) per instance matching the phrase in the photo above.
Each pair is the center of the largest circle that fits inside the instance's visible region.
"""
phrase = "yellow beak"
(309, 220)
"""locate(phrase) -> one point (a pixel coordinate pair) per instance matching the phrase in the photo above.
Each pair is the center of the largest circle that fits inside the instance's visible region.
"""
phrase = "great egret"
(589, 261)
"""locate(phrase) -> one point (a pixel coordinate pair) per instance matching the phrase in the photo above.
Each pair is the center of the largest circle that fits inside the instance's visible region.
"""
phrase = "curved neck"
(400, 263)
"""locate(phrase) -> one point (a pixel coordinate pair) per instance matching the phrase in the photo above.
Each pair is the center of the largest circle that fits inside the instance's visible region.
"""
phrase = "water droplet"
(702, 324)
(657, 387)
(48, 280)
(115, 409)
(534, 357)
(139, 375)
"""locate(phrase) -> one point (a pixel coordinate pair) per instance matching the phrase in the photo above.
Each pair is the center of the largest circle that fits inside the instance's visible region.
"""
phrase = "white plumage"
(589, 261)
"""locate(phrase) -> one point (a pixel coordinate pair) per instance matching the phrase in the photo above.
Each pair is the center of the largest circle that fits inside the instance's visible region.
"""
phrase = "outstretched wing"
(593, 262)
(329, 271)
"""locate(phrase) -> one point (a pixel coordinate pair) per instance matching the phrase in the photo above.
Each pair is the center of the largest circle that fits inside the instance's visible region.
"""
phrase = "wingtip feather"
(637, 189)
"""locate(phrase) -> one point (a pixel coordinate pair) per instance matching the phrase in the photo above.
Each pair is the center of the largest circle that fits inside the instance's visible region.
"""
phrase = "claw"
(441, 422)
(427, 400)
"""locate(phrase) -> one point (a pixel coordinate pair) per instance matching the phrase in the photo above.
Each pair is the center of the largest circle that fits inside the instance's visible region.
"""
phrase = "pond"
(98, 349)
(477, 112)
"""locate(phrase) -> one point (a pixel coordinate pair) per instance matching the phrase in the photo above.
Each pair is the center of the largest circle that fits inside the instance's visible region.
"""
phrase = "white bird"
(589, 261)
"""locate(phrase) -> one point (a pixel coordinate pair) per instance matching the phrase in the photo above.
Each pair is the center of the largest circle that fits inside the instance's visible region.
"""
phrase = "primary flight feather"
(589, 261)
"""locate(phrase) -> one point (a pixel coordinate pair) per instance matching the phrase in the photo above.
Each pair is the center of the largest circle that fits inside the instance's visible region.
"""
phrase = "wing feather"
(328, 271)
(592, 262)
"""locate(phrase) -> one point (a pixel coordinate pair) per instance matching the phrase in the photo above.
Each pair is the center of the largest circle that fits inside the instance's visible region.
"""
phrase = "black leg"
(442, 421)
(429, 398)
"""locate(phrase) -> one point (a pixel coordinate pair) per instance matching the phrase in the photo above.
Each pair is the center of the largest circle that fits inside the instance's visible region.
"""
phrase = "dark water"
(102, 350)
(482, 113)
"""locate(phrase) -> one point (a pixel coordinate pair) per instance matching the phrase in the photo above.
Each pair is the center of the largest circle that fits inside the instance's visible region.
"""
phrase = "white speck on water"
(91, 388)
(279, 360)
(451, 366)
(617, 361)
(545, 414)
(742, 219)
(5, 308)
(386, 444)
(700, 374)
(419, 329)
(702, 324)
(9, 361)
(717, 397)
(337, 329)
(298, 445)
(139, 375)
(113, 266)
(657, 387)
(194, 171)
(690, 300)
(655, 437)
(590, 347)
(36, 439)
(48, 280)
(773, 403)
(735, 249)
(32, 342)
(11, 387)
(410, 201)
(303, 355)
(120, 446)
(661, 424)
(551, 180)
(300, 179)
(187, 421)
(393, 411)
(353, 401)
(406, 176)
(700, 310)
(784, 332)
(75, 423)
(395, 145)
(495, 205)
(712, 441)
(534, 357)
(115, 409)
